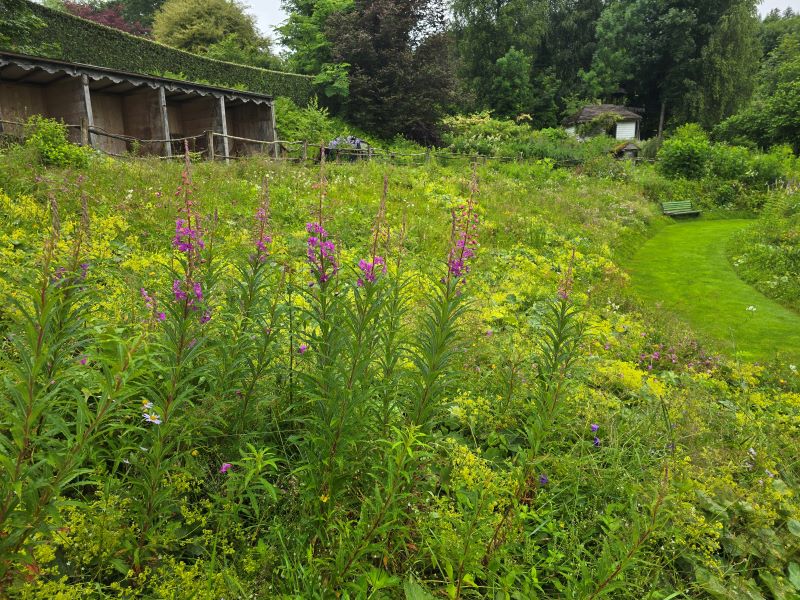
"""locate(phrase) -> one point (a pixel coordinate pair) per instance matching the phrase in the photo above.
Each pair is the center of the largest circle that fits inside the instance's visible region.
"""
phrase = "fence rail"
(213, 145)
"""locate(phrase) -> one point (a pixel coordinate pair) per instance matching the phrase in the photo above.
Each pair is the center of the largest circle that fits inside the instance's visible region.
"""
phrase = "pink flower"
(302, 349)
(162, 316)
(225, 467)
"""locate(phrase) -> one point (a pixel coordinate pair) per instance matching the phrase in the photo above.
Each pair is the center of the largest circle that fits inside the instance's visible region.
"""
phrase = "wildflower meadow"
(261, 380)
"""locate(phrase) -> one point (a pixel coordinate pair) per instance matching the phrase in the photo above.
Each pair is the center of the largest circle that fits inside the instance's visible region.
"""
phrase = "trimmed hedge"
(72, 39)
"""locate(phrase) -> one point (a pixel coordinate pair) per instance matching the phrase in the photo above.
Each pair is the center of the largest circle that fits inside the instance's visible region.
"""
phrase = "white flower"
(152, 418)
(751, 308)
(147, 405)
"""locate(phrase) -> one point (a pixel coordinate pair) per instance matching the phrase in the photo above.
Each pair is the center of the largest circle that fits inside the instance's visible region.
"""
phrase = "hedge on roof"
(69, 38)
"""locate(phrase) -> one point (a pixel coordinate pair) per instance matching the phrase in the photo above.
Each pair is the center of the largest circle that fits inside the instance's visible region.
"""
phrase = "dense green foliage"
(194, 420)
(690, 154)
(774, 115)
(305, 33)
(696, 59)
(195, 26)
(767, 255)
(48, 141)
(481, 134)
(66, 37)
(400, 72)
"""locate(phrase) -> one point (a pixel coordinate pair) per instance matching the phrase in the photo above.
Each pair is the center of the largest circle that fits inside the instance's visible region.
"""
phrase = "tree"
(401, 75)
(777, 24)
(486, 30)
(305, 32)
(141, 11)
(110, 14)
(233, 48)
(568, 44)
(658, 51)
(511, 86)
(773, 117)
(196, 25)
(729, 62)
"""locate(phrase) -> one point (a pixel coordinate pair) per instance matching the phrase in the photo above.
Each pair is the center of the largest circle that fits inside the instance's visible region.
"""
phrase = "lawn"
(684, 269)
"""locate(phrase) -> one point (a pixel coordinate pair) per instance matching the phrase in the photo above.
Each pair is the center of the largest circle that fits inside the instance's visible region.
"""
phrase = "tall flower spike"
(370, 268)
(321, 253)
(565, 286)
(464, 235)
(263, 238)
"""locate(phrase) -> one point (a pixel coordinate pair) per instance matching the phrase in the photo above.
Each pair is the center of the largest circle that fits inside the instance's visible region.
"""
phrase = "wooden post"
(273, 126)
(224, 120)
(661, 118)
(210, 142)
(87, 105)
(305, 150)
(427, 155)
(162, 103)
(84, 131)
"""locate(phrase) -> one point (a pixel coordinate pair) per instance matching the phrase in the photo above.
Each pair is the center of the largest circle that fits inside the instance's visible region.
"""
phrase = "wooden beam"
(224, 119)
(274, 132)
(162, 105)
(87, 106)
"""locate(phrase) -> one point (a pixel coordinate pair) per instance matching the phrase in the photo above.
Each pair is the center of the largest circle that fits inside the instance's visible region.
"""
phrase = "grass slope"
(684, 269)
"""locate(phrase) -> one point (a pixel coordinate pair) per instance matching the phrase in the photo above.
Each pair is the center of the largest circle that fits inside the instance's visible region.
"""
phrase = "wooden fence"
(213, 145)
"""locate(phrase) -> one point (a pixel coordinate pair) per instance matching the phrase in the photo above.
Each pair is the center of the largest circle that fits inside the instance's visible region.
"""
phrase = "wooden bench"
(679, 208)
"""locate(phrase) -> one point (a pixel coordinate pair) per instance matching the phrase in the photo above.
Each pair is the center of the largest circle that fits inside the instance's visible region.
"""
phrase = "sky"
(268, 13)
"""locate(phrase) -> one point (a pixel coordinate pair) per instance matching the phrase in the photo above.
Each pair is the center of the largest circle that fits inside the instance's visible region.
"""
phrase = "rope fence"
(213, 145)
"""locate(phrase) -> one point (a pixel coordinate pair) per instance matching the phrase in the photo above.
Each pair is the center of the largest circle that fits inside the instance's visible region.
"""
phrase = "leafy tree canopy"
(197, 25)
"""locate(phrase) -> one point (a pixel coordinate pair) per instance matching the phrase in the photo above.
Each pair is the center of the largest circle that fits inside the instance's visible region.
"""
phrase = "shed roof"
(592, 111)
(22, 68)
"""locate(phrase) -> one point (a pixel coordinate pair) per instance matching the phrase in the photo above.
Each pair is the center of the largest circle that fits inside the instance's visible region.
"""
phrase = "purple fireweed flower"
(177, 289)
(206, 317)
(464, 241)
(369, 269)
(162, 316)
(543, 480)
(302, 349)
(84, 271)
(187, 239)
(149, 301)
(189, 291)
(321, 253)
(225, 467)
(596, 442)
(82, 361)
(594, 427)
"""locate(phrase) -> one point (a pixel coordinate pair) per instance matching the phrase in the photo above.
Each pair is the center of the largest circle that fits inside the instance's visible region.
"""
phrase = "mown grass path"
(684, 269)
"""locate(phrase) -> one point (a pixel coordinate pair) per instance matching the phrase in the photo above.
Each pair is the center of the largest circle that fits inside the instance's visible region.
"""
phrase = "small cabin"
(626, 123)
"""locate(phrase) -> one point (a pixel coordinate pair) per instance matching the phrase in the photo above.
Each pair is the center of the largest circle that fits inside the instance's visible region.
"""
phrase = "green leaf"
(794, 575)
(794, 527)
(415, 591)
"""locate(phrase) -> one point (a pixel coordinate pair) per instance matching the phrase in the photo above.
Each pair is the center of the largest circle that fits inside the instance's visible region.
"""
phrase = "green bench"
(679, 209)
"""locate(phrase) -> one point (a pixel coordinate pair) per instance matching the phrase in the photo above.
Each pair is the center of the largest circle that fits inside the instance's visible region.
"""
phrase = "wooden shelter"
(114, 110)
(627, 126)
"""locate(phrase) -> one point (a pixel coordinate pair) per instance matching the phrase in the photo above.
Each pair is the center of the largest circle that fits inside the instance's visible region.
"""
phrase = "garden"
(369, 380)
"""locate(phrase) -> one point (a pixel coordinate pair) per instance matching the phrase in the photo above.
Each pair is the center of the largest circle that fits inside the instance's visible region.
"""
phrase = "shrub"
(48, 138)
(729, 162)
(686, 154)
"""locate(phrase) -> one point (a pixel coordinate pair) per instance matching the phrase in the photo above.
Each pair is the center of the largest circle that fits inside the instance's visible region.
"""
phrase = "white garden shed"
(626, 127)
